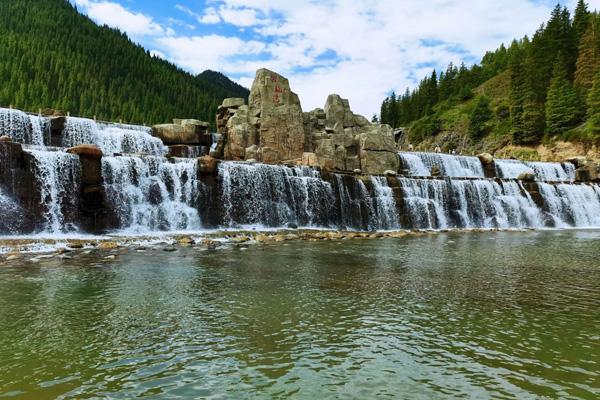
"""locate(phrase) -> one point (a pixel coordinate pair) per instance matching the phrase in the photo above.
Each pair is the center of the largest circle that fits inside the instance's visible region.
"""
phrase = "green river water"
(457, 315)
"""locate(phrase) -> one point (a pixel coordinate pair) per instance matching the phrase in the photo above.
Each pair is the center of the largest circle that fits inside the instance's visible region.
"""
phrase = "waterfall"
(14, 219)
(385, 205)
(58, 175)
(544, 171)
(112, 139)
(150, 193)
(547, 171)
(420, 164)
(21, 127)
(437, 204)
(273, 196)
(572, 205)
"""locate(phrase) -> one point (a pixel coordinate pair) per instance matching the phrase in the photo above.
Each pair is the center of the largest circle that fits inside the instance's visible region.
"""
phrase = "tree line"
(554, 83)
(51, 56)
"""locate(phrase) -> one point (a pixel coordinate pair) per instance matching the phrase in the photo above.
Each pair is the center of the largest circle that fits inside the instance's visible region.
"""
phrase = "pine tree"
(563, 107)
(480, 115)
(581, 20)
(588, 59)
(593, 106)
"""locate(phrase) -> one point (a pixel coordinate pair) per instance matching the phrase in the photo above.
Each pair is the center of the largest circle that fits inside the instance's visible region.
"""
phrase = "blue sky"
(360, 49)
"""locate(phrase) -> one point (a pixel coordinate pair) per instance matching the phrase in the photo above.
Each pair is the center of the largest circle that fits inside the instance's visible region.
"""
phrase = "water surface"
(479, 315)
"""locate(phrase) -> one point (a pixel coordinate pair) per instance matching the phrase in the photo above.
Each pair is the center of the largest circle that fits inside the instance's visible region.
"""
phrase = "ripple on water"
(455, 315)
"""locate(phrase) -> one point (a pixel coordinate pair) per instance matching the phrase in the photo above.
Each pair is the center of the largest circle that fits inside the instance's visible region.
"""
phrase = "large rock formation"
(272, 129)
(346, 142)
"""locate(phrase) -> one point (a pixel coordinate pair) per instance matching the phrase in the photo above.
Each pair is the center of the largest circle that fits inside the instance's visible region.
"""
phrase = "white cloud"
(379, 45)
(198, 53)
(115, 15)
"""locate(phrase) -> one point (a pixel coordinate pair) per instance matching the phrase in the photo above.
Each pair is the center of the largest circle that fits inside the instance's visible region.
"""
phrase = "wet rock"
(586, 173)
(526, 176)
(75, 245)
(111, 257)
(208, 165)
(86, 150)
(186, 241)
(436, 171)
(170, 249)
(108, 245)
(486, 158)
(13, 257)
(5, 139)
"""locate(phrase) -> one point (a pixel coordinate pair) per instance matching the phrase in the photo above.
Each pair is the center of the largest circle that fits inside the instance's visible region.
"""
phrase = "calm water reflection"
(498, 315)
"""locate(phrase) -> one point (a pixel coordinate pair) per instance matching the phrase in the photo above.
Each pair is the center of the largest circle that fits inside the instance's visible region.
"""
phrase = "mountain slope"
(53, 56)
(538, 91)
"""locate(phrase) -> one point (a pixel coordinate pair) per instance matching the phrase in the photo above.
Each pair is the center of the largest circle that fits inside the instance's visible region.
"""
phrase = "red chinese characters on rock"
(276, 99)
(273, 78)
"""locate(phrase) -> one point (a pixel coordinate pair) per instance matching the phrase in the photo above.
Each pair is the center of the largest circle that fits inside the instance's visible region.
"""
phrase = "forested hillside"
(53, 56)
(535, 90)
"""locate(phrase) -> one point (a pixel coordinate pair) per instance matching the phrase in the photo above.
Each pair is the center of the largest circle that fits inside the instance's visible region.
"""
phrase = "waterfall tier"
(544, 171)
(59, 177)
(23, 128)
(152, 194)
(420, 164)
(439, 204)
(112, 139)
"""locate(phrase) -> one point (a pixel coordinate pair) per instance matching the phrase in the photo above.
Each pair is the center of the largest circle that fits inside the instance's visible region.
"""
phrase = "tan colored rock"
(337, 110)
(251, 152)
(485, 158)
(86, 150)
(5, 139)
(174, 134)
(526, 176)
(377, 141)
(108, 245)
(233, 102)
(377, 162)
(361, 121)
(310, 159)
(586, 173)
(281, 118)
(268, 155)
(325, 153)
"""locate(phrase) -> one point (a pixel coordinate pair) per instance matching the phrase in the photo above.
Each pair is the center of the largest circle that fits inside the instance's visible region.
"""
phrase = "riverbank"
(37, 248)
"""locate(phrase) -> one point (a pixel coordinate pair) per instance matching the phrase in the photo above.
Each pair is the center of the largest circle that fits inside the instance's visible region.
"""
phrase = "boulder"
(377, 162)
(586, 173)
(337, 110)
(281, 119)
(486, 158)
(86, 150)
(377, 141)
(526, 176)
(578, 161)
(208, 165)
(361, 121)
(233, 102)
(5, 139)
(189, 131)
(325, 153)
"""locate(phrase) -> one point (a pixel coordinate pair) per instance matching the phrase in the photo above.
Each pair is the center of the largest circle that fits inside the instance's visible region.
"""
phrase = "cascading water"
(21, 127)
(572, 205)
(439, 204)
(273, 196)
(58, 175)
(112, 139)
(384, 204)
(420, 164)
(14, 218)
(150, 193)
(544, 171)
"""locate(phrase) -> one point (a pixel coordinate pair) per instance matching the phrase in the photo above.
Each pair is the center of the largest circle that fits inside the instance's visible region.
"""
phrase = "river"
(451, 315)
